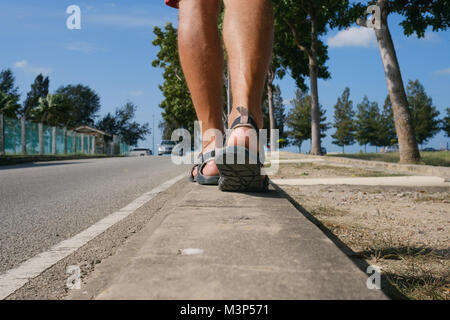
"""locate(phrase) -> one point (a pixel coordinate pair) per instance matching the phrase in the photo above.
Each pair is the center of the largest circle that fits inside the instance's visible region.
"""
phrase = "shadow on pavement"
(387, 287)
(36, 165)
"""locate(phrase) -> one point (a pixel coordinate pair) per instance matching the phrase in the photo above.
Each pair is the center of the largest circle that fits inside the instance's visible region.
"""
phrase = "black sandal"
(246, 176)
(207, 180)
(200, 178)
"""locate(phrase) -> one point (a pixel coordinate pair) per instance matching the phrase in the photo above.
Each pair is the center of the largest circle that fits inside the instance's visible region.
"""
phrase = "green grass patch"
(437, 158)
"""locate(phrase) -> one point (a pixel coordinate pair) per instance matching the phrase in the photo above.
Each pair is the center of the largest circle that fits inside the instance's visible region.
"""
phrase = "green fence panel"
(48, 139)
(59, 141)
(13, 141)
(78, 142)
(32, 136)
(86, 145)
(70, 141)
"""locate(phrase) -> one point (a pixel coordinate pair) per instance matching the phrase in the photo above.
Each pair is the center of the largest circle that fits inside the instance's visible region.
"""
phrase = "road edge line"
(16, 278)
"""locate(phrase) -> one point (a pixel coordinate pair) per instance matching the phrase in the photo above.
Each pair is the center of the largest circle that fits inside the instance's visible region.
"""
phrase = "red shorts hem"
(172, 3)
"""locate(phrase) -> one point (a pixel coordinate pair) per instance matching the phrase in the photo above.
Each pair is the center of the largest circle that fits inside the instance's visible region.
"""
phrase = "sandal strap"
(211, 155)
(244, 119)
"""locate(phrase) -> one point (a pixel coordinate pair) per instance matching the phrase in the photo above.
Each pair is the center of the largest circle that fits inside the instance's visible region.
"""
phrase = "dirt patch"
(318, 170)
(403, 230)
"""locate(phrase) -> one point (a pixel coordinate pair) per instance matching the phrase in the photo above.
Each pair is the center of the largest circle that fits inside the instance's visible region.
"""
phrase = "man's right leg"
(201, 56)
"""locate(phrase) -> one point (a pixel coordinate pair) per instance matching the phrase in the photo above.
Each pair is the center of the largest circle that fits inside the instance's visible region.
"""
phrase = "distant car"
(391, 149)
(140, 152)
(166, 147)
(429, 149)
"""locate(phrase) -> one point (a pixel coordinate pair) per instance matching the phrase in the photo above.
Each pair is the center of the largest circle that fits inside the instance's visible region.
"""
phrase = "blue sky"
(112, 53)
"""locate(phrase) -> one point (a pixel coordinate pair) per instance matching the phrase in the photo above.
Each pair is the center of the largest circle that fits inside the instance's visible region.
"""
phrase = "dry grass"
(415, 271)
(438, 158)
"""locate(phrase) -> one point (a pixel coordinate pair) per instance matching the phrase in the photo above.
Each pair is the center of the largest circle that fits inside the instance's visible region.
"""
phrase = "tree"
(446, 123)
(307, 20)
(9, 94)
(343, 121)
(84, 102)
(122, 124)
(279, 116)
(418, 15)
(424, 114)
(386, 128)
(178, 108)
(39, 89)
(299, 119)
(367, 122)
(52, 110)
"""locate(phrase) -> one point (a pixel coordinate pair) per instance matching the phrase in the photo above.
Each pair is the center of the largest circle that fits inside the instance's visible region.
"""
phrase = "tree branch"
(297, 41)
(361, 22)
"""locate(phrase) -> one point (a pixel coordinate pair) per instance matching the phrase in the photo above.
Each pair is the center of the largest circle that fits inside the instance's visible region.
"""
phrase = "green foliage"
(299, 120)
(9, 94)
(122, 124)
(420, 14)
(178, 109)
(279, 116)
(343, 121)
(446, 123)
(39, 89)
(83, 104)
(51, 110)
(367, 123)
(423, 113)
(387, 136)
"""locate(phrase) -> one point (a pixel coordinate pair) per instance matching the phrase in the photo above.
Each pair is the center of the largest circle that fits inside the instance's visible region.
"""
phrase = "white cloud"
(136, 93)
(442, 72)
(84, 47)
(353, 37)
(120, 20)
(23, 65)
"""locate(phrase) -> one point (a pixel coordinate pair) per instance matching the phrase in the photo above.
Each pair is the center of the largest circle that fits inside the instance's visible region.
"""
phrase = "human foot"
(239, 162)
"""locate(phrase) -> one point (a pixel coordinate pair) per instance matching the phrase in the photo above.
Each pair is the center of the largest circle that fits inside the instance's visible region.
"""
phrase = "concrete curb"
(417, 169)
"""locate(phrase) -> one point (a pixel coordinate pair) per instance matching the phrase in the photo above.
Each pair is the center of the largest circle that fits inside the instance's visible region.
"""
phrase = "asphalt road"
(42, 204)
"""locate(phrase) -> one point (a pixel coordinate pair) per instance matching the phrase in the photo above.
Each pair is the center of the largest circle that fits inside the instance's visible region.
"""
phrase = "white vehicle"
(140, 152)
(166, 147)
(391, 149)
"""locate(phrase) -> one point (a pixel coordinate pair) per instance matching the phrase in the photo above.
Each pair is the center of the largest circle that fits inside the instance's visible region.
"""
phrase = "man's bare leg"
(248, 36)
(201, 57)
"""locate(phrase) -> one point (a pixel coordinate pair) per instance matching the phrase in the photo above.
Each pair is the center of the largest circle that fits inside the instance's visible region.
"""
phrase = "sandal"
(246, 176)
(200, 178)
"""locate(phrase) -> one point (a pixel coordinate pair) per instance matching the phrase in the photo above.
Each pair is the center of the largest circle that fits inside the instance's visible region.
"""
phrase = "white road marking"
(14, 279)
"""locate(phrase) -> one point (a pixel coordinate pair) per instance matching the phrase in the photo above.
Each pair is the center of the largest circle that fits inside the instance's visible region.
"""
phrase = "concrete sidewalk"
(247, 246)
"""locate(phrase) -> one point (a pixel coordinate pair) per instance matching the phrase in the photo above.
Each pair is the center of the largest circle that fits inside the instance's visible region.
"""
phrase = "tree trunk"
(409, 152)
(2, 136)
(315, 115)
(271, 77)
(343, 149)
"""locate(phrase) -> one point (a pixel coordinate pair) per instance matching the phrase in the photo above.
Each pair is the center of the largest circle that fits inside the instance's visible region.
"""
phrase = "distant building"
(101, 139)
